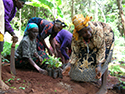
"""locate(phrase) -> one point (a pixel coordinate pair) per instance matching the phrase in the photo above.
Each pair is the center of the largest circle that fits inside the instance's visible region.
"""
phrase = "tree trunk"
(119, 2)
(34, 11)
(100, 7)
(96, 12)
(72, 9)
(20, 20)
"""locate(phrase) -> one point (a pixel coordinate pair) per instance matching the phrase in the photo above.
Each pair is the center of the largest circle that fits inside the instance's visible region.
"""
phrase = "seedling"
(13, 87)
(23, 88)
(55, 91)
(10, 79)
(18, 79)
(53, 62)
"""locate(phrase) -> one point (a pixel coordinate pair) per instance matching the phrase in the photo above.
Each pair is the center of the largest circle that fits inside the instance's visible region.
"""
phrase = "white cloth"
(2, 23)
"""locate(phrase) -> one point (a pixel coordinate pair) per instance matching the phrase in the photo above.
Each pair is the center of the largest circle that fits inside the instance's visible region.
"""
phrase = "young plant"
(23, 88)
(53, 62)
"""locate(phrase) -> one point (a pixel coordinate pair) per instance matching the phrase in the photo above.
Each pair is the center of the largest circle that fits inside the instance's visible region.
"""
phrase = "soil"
(31, 82)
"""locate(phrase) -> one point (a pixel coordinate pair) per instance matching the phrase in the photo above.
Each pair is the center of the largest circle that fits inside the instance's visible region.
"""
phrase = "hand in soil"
(43, 72)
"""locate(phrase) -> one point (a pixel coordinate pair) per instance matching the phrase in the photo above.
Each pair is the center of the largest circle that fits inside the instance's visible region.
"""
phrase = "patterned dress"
(84, 59)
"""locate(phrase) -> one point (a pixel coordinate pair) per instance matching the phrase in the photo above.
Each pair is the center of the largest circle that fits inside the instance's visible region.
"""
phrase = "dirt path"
(32, 82)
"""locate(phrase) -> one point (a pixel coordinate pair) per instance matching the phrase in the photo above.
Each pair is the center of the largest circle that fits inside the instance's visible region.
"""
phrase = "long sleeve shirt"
(10, 11)
(64, 38)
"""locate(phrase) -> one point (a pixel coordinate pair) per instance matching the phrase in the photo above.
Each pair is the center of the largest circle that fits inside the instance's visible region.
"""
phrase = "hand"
(42, 71)
(14, 39)
(40, 58)
(98, 72)
(66, 69)
(66, 61)
(55, 53)
(50, 52)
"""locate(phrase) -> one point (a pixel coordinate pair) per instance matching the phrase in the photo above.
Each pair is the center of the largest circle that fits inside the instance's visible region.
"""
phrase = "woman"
(92, 46)
(26, 53)
(63, 45)
(47, 28)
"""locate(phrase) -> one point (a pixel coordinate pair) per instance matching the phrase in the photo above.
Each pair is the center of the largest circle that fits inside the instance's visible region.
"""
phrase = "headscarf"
(79, 22)
(58, 21)
(30, 26)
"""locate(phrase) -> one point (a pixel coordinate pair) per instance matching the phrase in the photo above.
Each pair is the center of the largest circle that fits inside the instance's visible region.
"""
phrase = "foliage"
(10, 79)
(23, 88)
(123, 83)
(7, 49)
(53, 62)
(117, 70)
(49, 5)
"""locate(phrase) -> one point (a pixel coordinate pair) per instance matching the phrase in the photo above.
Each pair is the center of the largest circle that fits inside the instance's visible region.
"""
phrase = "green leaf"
(10, 79)
(44, 60)
(123, 5)
(22, 88)
(13, 87)
(123, 87)
(18, 79)
(55, 90)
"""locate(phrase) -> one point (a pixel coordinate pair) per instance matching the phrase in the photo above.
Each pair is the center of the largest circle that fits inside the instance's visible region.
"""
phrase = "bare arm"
(53, 45)
(37, 67)
(44, 43)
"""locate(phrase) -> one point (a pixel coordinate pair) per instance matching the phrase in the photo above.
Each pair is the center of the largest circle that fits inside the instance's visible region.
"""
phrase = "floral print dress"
(86, 55)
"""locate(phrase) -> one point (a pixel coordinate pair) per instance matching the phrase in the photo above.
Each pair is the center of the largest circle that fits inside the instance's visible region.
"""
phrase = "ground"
(31, 82)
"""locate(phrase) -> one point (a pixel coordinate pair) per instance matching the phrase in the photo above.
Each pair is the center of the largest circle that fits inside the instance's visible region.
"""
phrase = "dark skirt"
(23, 63)
(40, 45)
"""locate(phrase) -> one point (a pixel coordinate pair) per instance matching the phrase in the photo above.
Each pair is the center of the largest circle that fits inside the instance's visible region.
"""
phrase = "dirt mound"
(31, 82)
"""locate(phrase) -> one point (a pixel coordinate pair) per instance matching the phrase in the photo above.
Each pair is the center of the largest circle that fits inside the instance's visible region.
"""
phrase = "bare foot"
(102, 90)
(3, 86)
(43, 71)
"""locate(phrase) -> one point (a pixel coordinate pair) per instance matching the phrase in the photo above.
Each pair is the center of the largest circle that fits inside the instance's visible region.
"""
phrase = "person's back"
(41, 23)
(63, 45)
(64, 36)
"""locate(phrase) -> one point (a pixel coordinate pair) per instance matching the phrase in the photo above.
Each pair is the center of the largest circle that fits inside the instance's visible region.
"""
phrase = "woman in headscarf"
(26, 55)
(47, 28)
(92, 46)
